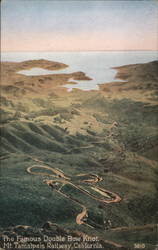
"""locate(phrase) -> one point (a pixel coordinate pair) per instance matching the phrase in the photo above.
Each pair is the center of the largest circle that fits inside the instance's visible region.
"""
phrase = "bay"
(98, 65)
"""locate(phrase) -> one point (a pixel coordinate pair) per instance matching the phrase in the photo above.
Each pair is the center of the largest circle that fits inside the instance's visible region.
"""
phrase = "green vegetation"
(123, 153)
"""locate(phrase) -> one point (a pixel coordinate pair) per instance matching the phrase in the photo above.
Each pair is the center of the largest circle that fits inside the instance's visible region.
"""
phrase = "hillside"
(86, 149)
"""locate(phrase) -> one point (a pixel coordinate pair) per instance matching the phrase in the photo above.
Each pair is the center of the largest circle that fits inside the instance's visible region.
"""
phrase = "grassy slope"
(43, 127)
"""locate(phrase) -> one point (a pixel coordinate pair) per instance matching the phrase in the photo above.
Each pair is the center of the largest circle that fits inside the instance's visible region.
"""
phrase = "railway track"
(59, 179)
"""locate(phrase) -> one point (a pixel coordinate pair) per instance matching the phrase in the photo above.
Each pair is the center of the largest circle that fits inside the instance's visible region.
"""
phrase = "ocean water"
(96, 65)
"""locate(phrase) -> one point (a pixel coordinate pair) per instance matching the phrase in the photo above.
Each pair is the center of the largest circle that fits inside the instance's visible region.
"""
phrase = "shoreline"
(52, 65)
(134, 79)
(138, 79)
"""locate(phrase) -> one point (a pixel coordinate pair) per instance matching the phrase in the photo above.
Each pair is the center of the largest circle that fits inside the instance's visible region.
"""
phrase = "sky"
(78, 25)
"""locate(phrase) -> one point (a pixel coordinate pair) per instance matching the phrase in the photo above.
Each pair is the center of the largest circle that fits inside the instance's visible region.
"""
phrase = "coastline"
(139, 82)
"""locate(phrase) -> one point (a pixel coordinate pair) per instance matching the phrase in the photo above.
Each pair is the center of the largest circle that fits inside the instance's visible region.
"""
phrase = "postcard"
(79, 117)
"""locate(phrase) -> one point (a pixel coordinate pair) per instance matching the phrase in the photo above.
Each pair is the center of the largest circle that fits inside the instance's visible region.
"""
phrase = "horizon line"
(12, 51)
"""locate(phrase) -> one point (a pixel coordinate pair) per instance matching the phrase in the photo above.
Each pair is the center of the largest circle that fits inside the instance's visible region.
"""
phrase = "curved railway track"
(60, 179)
